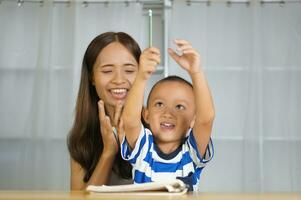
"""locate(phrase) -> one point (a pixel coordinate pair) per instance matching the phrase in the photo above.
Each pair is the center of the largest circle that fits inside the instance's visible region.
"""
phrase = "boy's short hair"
(172, 78)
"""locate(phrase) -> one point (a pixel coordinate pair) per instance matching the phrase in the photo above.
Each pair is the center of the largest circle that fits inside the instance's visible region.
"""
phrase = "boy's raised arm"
(204, 111)
(131, 115)
(190, 61)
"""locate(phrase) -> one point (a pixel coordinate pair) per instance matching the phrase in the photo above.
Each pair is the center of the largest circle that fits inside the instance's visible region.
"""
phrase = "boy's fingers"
(184, 47)
(156, 59)
(152, 50)
(173, 54)
(153, 56)
(181, 42)
(152, 59)
(190, 51)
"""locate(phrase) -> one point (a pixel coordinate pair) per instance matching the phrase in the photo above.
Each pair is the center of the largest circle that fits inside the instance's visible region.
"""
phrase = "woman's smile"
(119, 93)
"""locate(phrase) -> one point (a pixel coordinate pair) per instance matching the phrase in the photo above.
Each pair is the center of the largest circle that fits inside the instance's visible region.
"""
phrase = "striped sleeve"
(194, 153)
(131, 154)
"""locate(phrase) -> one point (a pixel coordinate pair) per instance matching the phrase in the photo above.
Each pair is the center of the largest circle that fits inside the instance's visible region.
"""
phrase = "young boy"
(180, 118)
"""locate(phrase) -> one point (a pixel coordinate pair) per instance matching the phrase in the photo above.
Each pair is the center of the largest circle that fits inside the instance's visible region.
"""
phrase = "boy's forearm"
(203, 99)
(133, 106)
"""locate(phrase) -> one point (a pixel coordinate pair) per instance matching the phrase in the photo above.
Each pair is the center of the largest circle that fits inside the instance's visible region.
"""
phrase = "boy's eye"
(180, 107)
(159, 104)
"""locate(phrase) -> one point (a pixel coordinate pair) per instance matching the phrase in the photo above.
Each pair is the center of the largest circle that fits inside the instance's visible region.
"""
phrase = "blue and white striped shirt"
(150, 164)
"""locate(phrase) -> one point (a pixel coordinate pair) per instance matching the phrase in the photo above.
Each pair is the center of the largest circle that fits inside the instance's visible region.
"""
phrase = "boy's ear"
(192, 122)
(145, 114)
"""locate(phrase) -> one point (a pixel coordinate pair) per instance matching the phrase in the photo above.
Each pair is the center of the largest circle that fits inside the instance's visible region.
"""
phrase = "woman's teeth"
(119, 93)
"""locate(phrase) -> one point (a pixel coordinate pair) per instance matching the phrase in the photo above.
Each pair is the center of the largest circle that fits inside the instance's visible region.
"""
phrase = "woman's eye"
(180, 107)
(106, 71)
(129, 71)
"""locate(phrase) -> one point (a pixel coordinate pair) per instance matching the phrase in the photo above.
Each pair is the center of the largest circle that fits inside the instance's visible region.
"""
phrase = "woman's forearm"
(100, 176)
(103, 170)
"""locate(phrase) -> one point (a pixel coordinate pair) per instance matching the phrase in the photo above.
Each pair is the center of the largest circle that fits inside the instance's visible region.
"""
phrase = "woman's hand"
(189, 60)
(110, 140)
(148, 62)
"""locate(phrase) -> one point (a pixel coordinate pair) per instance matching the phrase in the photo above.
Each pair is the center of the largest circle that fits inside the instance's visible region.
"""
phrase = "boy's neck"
(168, 148)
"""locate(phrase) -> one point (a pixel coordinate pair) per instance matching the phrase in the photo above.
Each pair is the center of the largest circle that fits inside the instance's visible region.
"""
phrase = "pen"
(150, 16)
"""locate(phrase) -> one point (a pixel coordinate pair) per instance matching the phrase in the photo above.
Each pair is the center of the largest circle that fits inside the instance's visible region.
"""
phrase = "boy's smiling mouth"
(166, 125)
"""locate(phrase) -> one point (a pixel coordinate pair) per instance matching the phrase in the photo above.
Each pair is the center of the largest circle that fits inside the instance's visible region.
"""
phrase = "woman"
(109, 68)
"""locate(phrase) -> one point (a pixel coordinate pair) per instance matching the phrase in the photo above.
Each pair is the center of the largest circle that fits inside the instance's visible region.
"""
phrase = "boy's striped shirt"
(150, 164)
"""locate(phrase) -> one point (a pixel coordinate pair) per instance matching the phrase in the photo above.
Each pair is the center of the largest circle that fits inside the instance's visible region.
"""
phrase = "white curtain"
(41, 50)
(251, 56)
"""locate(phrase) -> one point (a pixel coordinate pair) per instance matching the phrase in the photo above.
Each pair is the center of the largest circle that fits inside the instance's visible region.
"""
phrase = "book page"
(173, 186)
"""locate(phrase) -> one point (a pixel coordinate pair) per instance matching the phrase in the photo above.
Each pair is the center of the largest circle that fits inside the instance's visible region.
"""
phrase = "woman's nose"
(118, 77)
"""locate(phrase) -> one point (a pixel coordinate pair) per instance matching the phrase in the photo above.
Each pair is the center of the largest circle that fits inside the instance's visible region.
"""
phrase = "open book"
(168, 187)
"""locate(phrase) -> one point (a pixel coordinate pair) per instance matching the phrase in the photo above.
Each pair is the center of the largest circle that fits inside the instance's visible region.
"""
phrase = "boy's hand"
(189, 60)
(148, 62)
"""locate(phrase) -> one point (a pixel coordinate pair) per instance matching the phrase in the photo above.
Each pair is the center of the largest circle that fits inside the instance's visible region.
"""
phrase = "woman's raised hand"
(109, 132)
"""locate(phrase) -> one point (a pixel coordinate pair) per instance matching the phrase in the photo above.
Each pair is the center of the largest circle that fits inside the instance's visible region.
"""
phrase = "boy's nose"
(168, 113)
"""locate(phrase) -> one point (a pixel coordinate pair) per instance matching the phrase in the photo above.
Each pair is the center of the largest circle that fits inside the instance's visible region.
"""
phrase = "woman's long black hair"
(84, 141)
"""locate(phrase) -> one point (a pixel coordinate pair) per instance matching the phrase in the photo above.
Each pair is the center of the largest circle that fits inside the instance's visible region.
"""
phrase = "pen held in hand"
(150, 17)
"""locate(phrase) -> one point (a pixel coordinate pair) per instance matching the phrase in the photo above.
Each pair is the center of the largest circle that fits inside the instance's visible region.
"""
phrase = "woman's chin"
(115, 101)
(119, 101)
